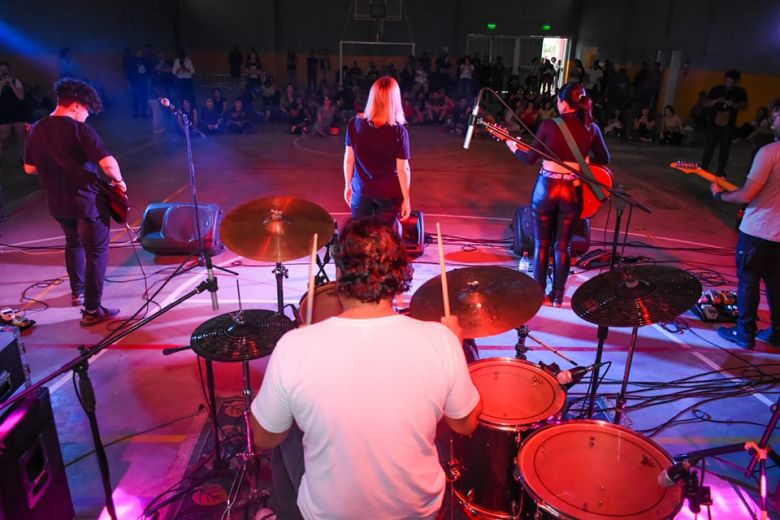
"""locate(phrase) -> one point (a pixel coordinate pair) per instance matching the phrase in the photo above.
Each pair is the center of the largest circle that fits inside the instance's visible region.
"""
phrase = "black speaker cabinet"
(14, 371)
(412, 231)
(523, 227)
(32, 473)
(168, 228)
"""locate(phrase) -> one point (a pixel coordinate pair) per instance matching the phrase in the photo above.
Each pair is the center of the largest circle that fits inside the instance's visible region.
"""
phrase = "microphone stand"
(80, 365)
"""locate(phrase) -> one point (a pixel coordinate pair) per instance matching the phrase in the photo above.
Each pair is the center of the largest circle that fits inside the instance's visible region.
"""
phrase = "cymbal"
(636, 296)
(229, 338)
(276, 228)
(487, 300)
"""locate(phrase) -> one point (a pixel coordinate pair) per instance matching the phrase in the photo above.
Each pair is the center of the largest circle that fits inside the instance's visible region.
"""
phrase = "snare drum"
(326, 303)
(517, 397)
(593, 470)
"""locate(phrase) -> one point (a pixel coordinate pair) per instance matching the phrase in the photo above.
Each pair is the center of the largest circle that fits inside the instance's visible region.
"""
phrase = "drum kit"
(522, 461)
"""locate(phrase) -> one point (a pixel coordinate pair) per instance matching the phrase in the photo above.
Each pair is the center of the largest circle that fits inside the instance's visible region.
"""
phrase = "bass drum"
(517, 397)
(594, 470)
(326, 303)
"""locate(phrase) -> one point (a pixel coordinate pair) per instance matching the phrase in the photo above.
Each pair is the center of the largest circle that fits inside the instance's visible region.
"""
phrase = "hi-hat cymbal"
(276, 228)
(636, 296)
(487, 300)
(229, 337)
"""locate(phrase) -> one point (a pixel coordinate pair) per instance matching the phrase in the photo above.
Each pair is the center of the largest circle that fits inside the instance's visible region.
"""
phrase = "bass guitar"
(590, 202)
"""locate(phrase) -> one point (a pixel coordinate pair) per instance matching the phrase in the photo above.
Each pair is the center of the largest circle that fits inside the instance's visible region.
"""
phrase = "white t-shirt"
(183, 70)
(367, 394)
(762, 216)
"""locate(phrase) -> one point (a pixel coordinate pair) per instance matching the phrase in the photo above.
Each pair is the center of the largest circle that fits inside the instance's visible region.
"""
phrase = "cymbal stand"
(620, 403)
(250, 467)
(520, 349)
(280, 272)
(321, 277)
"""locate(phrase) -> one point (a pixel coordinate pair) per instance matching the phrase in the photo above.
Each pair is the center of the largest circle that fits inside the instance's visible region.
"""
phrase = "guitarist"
(557, 197)
(758, 245)
(65, 151)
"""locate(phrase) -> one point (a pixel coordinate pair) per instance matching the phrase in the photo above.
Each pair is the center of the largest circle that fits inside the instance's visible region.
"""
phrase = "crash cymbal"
(275, 229)
(230, 338)
(487, 300)
(636, 296)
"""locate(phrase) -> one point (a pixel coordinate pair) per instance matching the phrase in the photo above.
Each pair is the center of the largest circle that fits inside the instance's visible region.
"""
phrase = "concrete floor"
(151, 402)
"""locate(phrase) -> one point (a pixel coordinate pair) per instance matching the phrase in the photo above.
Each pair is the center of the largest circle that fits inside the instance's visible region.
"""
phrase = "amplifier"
(14, 370)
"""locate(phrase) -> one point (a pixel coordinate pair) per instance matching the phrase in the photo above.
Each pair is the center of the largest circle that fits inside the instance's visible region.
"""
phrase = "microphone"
(675, 473)
(212, 283)
(575, 375)
(472, 121)
(167, 104)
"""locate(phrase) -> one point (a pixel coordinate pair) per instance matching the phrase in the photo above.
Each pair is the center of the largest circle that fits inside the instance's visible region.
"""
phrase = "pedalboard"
(717, 306)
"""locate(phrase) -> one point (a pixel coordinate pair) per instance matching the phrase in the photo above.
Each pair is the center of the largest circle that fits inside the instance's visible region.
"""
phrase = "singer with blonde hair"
(376, 157)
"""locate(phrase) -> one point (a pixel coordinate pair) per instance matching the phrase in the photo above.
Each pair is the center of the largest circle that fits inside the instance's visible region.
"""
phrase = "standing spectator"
(325, 66)
(66, 153)
(12, 115)
(532, 80)
(253, 70)
(557, 73)
(577, 71)
(235, 59)
(183, 70)
(291, 66)
(758, 245)
(548, 77)
(163, 74)
(139, 79)
(723, 102)
(465, 77)
(311, 70)
(497, 74)
(593, 81)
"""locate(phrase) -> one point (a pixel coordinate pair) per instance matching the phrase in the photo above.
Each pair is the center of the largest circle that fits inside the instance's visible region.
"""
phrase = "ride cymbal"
(230, 337)
(276, 229)
(636, 296)
(487, 300)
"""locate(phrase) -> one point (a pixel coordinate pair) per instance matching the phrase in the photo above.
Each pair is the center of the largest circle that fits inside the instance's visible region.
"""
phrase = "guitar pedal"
(716, 305)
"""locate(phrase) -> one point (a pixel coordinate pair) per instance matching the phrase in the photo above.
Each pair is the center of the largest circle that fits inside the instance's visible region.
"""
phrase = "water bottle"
(524, 266)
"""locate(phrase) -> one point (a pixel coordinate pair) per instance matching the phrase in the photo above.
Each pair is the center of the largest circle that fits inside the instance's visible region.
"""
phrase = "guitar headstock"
(686, 166)
(496, 131)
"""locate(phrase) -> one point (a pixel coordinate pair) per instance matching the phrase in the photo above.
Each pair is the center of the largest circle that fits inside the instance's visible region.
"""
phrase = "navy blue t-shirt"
(66, 154)
(376, 150)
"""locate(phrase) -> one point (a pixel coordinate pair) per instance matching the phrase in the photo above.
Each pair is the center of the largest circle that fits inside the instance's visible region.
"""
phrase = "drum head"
(593, 470)
(326, 303)
(515, 393)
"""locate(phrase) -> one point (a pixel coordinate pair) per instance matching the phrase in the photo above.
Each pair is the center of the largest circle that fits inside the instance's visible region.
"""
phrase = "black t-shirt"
(375, 150)
(11, 107)
(736, 94)
(66, 154)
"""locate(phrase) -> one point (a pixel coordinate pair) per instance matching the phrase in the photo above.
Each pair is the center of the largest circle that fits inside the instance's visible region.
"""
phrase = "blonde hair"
(384, 103)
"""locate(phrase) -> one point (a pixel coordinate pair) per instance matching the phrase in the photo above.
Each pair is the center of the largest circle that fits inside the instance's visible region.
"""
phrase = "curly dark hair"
(71, 91)
(371, 261)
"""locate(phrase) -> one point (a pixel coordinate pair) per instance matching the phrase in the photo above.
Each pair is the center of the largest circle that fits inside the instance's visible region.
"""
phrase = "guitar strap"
(585, 168)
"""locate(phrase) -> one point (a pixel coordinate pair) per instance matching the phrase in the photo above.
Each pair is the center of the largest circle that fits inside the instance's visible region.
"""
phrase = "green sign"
(546, 27)
(491, 26)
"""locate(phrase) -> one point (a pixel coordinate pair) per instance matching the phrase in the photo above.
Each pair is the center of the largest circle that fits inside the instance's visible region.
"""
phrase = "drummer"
(367, 389)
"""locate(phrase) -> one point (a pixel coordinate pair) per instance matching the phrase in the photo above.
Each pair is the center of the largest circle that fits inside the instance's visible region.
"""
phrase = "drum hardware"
(520, 348)
(321, 277)
(632, 297)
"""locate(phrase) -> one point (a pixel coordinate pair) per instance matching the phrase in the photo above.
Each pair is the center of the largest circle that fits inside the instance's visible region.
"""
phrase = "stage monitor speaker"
(34, 486)
(523, 228)
(14, 370)
(168, 228)
(412, 231)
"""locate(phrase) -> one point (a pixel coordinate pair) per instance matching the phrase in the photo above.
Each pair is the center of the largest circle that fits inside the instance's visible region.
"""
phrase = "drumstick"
(445, 292)
(310, 295)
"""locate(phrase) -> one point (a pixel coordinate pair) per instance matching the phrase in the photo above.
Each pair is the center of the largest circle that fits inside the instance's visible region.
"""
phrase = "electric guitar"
(693, 167)
(590, 203)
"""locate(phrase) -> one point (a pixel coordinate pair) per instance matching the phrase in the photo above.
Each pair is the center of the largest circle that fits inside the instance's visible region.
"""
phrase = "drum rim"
(545, 505)
(560, 396)
(473, 507)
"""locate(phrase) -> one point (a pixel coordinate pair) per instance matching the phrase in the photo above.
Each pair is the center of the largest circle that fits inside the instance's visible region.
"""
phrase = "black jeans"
(383, 209)
(757, 259)
(86, 256)
(556, 205)
(721, 137)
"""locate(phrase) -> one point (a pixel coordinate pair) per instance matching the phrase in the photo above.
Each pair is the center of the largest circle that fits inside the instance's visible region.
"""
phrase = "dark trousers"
(384, 210)
(556, 205)
(757, 259)
(287, 468)
(721, 137)
(86, 256)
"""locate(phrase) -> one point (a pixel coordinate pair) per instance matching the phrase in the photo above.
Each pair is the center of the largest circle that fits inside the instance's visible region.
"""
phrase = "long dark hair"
(575, 95)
